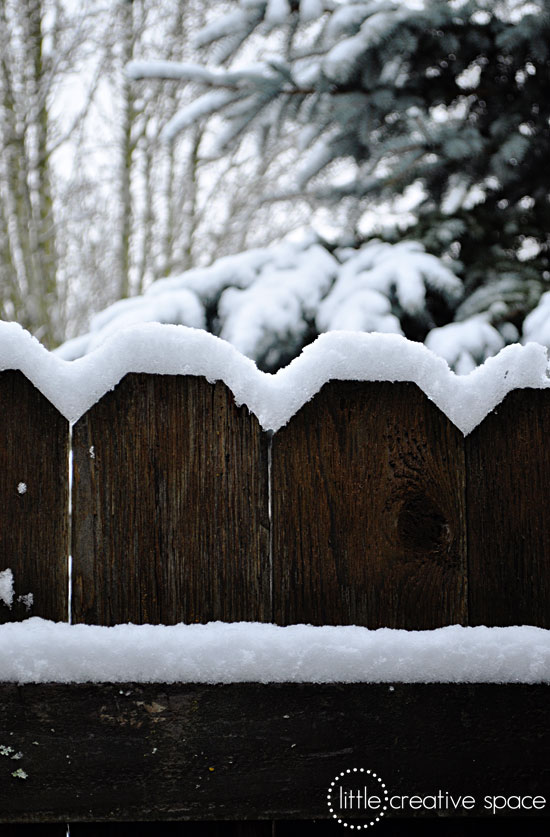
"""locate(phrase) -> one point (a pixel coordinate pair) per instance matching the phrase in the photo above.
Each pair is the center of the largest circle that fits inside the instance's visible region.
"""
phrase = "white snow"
(341, 61)
(22, 488)
(38, 651)
(274, 309)
(231, 22)
(359, 299)
(203, 106)
(289, 286)
(179, 70)
(277, 11)
(536, 326)
(6, 587)
(186, 71)
(310, 10)
(27, 600)
(470, 77)
(180, 306)
(346, 18)
(74, 386)
(465, 344)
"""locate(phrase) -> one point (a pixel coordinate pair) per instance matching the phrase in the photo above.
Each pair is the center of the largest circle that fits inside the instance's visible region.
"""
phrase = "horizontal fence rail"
(252, 751)
(369, 508)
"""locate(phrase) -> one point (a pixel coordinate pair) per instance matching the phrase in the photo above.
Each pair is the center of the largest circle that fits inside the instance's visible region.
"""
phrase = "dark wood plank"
(508, 466)
(244, 828)
(33, 500)
(421, 827)
(250, 751)
(440, 827)
(368, 511)
(170, 505)
(34, 830)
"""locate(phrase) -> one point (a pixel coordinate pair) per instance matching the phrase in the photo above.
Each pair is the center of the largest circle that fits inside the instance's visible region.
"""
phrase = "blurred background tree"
(410, 136)
(94, 204)
(38, 47)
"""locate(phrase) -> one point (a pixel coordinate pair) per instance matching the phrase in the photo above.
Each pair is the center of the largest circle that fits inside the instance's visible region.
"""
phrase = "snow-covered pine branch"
(384, 99)
(271, 301)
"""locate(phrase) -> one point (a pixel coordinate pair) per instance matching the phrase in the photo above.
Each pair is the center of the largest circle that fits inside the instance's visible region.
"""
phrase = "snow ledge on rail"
(39, 651)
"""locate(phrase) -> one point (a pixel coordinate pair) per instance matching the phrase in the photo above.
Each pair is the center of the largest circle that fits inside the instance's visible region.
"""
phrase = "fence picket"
(34, 830)
(368, 511)
(257, 828)
(33, 500)
(508, 467)
(170, 505)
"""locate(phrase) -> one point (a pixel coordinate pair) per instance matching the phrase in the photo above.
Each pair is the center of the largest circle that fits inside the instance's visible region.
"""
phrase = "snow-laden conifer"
(448, 101)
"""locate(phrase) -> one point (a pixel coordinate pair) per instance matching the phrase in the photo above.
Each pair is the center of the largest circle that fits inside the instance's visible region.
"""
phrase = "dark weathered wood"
(34, 830)
(439, 827)
(249, 828)
(251, 751)
(368, 511)
(420, 827)
(508, 467)
(170, 506)
(34, 453)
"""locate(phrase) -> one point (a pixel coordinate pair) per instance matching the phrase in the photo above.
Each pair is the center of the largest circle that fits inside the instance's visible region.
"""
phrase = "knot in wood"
(422, 527)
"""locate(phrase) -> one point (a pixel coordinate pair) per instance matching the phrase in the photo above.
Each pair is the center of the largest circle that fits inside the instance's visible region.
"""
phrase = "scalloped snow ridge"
(38, 651)
(74, 386)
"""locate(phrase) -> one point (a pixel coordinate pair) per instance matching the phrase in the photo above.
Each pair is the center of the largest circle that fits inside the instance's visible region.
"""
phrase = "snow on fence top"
(74, 386)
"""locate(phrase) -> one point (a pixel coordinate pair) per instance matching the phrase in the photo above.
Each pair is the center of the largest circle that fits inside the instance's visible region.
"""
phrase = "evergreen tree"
(446, 103)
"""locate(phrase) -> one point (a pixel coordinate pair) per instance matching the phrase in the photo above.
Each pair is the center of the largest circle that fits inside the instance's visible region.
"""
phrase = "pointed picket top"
(170, 506)
(368, 487)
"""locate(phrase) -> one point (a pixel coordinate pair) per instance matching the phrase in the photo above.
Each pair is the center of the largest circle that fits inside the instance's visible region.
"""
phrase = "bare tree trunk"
(126, 150)
(146, 266)
(192, 194)
(29, 261)
(43, 227)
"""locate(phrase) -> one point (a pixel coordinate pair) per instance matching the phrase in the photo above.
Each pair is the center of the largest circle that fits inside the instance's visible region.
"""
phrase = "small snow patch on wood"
(6, 587)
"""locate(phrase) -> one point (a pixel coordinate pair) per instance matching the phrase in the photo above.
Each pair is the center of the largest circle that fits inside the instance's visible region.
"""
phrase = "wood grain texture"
(244, 828)
(34, 830)
(508, 466)
(420, 827)
(439, 827)
(34, 497)
(368, 511)
(129, 752)
(170, 505)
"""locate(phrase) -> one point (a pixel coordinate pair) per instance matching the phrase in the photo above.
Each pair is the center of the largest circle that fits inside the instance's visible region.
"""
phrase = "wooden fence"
(368, 508)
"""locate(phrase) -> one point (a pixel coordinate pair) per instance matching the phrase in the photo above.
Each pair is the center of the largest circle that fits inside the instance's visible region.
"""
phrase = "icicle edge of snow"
(74, 386)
